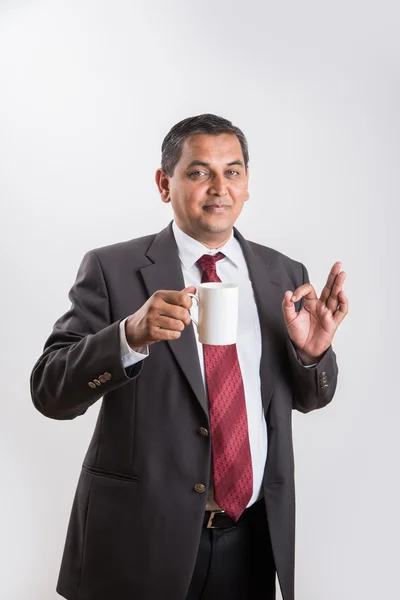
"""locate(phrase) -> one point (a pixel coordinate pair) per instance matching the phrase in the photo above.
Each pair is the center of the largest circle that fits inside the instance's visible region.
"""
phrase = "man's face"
(208, 188)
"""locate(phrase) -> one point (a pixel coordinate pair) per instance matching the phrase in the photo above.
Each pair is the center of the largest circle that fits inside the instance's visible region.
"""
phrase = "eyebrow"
(201, 163)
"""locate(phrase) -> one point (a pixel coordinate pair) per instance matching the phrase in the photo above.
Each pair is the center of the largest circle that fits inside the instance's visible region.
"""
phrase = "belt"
(214, 519)
(217, 519)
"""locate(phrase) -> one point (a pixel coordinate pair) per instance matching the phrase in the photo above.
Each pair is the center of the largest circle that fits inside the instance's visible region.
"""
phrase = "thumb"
(288, 307)
(188, 290)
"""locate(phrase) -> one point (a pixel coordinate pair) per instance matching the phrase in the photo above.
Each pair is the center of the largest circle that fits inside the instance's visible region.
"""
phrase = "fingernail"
(293, 298)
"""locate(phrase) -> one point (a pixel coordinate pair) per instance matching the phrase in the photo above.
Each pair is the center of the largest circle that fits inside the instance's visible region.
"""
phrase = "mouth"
(216, 208)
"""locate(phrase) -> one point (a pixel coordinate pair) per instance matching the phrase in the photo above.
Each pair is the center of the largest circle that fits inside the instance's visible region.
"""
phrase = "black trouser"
(235, 563)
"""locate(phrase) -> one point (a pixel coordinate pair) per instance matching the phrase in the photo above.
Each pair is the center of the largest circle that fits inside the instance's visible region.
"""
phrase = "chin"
(217, 227)
(217, 223)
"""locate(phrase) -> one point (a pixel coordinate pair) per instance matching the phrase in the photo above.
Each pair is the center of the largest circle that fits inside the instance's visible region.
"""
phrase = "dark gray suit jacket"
(136, 518)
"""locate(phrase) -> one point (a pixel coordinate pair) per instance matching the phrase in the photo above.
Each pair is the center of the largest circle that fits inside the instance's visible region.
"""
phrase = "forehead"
(224, 147)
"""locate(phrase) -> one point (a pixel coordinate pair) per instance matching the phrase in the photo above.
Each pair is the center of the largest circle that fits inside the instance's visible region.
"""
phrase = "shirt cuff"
(129, 356)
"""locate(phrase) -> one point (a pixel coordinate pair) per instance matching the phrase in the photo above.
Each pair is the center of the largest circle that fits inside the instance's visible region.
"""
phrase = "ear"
(162, 181)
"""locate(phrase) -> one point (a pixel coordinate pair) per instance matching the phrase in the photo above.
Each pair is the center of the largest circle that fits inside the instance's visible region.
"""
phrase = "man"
(164, 509)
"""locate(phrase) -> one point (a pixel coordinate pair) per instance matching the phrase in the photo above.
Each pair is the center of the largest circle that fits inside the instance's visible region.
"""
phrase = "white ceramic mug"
(218, 313)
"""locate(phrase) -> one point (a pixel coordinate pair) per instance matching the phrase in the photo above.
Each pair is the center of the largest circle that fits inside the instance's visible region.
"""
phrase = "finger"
(176, 298)
(170, 323)
(333, 300)
(304, 291)
(168, 296)
(342, 310)
(173, 311)
(164, 335)
(288, 307)
(334, 272)
(172, 303)
(186, 301)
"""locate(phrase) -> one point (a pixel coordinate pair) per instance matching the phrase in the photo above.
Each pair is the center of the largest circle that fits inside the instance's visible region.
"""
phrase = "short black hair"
(171, 147)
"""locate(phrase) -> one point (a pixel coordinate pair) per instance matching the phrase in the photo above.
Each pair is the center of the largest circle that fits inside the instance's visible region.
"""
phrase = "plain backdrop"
(88, 90)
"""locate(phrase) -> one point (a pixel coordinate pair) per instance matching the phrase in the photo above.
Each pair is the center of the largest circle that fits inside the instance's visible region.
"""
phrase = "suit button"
(91, 384)
(200, 488)
(323, 380)
(203, 431)
(107, 376)
(97, 382)
(102, 379)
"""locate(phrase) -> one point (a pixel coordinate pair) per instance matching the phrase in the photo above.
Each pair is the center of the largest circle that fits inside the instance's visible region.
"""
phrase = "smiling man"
(207, 187)
(161, 510)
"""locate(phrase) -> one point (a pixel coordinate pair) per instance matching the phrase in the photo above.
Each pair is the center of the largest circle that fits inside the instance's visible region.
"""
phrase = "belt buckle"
(211, 517)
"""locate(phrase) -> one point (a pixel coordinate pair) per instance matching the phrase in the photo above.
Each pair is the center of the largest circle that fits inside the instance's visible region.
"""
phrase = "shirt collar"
(190, 250)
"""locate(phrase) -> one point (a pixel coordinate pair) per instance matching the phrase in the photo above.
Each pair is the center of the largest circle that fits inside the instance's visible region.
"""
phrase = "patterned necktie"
(232, 470)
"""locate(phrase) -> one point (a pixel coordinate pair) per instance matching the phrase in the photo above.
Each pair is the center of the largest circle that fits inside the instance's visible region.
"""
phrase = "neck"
(209, 241)
(214, 244)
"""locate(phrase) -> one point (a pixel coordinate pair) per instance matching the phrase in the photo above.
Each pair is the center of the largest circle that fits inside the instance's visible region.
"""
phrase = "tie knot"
(207, 264)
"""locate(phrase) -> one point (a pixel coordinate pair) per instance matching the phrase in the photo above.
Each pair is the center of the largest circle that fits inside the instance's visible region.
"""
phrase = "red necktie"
(232, 470)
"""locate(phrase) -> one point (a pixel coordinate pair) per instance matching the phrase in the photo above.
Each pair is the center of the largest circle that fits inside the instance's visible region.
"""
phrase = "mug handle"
(197, 300)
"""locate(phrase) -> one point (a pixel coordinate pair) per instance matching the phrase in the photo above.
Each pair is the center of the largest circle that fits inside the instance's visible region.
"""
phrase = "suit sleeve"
(83, 346)
(314, 387)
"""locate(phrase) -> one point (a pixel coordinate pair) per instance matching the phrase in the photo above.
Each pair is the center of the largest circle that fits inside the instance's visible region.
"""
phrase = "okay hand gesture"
(314, 326)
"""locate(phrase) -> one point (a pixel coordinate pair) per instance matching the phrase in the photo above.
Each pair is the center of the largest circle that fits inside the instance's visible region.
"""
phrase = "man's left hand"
(313, 327)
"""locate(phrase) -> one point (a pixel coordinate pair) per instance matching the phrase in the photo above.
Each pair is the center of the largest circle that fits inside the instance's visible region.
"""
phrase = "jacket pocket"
(110, 474)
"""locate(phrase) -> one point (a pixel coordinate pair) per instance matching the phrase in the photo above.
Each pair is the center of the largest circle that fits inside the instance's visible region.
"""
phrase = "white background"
(88, 90)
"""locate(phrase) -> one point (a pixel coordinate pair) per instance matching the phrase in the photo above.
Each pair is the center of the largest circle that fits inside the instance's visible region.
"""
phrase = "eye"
(232, 172)
(196, 174)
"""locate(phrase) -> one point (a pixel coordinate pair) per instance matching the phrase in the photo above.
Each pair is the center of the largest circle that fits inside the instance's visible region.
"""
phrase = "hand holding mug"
(162, 318)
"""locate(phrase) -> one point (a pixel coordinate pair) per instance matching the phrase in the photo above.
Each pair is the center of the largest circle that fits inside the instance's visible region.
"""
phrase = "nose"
(218, 186)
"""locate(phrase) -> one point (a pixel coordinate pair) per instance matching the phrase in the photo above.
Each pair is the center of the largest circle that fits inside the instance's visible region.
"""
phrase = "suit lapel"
(166, 274)
(267, 293)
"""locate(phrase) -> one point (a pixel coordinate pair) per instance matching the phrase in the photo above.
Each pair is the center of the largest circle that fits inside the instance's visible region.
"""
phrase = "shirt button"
(102, 379)
(203, 431)
(200, 488)
(107, 376)
(91, 384)
(97, 382)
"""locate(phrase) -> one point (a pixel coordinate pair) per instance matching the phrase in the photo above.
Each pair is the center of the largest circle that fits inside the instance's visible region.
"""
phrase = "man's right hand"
(163, 317)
